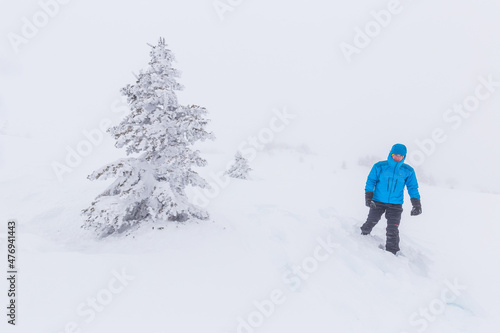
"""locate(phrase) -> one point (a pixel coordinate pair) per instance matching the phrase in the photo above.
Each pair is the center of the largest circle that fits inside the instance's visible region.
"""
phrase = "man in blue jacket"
(384, 192)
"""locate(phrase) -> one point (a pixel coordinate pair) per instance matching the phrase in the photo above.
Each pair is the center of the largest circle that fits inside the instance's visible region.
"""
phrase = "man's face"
(398, 158)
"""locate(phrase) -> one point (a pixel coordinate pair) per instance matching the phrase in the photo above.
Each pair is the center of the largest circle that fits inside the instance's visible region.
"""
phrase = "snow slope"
(289, 236)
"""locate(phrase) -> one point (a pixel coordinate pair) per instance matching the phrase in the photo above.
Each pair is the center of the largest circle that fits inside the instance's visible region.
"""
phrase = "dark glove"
(368, 200)
(417, 207)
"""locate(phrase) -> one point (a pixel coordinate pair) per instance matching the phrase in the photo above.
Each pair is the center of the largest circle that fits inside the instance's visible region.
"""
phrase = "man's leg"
(393, 216)
(373, 217)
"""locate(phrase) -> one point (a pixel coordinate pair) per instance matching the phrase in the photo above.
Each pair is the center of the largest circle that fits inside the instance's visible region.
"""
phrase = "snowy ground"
(282, 253)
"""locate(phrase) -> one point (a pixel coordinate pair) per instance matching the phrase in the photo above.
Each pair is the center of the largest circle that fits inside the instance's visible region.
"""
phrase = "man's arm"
(372, 180)
(412, 186)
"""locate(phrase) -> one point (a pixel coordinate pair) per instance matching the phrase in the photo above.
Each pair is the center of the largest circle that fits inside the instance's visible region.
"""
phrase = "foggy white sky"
(263, 55)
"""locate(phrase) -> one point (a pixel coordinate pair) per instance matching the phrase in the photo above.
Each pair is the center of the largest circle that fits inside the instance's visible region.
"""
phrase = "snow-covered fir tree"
(159, 133)
(240, 167)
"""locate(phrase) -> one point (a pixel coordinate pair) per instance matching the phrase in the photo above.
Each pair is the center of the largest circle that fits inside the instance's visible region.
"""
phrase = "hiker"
(384, 192)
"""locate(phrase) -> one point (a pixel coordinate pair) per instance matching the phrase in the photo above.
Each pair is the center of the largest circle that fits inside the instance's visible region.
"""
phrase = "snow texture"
(283, 252)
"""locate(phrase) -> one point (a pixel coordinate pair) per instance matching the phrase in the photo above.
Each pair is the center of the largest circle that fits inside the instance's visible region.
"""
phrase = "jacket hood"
(398, 149)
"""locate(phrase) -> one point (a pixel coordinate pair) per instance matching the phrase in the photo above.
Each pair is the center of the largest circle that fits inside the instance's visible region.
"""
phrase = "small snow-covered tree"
(240, 167)
(150, 186)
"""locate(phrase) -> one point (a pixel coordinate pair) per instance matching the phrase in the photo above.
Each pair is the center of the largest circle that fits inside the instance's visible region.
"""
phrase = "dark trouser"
(393, 216)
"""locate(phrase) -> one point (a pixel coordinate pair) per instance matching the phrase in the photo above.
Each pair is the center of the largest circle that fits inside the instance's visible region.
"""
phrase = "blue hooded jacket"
(387, 179)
